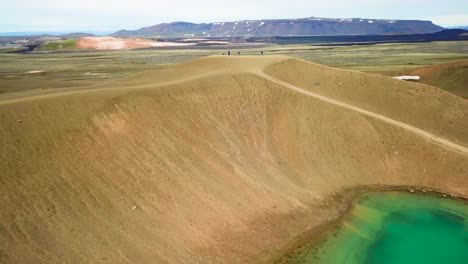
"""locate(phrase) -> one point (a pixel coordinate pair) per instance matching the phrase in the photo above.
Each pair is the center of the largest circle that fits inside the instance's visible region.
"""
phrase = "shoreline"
(347, 198)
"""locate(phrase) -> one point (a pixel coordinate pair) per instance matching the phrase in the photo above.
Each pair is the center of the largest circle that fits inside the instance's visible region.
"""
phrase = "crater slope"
(222, 159)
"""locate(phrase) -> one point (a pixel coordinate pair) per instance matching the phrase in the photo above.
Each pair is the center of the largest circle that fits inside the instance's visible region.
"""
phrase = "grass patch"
(6, 50)
(68, 44)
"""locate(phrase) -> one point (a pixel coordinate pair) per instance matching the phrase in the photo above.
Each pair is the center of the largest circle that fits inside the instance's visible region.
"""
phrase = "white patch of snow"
(263, 23)
(370, 22)
(216, 42)
(193, 39)
(408, 78)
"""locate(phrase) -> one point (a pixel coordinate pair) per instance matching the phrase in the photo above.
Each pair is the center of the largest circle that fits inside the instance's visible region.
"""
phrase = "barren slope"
(220, 159)
(451, 77)
(111, 43)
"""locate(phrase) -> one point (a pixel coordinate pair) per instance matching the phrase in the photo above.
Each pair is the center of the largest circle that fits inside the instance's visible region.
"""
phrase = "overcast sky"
(108, 15)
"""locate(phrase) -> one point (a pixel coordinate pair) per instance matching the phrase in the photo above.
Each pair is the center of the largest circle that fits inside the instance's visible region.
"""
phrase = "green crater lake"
(396, 228)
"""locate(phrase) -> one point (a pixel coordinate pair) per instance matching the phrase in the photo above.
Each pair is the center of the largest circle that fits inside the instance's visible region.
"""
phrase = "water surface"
(396, 228)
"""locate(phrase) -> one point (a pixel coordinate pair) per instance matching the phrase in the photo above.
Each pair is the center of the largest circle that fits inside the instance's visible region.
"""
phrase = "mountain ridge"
(287, 27)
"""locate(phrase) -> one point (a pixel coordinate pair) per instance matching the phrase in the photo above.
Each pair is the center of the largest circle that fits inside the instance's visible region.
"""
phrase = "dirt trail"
(435, 139)
(431, 137)
(217, 160)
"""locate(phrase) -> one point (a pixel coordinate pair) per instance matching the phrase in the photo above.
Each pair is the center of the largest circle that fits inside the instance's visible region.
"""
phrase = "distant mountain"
(31, 33)
(76, 35)
(444, 35)
(460, 27)
(32, 41)
(312, 26)
(50, 33)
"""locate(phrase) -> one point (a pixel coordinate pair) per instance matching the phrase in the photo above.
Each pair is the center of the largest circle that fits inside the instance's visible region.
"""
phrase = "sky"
(112, 15)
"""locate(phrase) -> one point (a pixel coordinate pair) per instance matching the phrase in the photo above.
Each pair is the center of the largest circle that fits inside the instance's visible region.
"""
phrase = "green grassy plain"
(68, 44)
(81, 68)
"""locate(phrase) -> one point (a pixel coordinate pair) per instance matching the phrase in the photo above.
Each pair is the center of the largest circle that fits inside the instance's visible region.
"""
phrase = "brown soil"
(452, 77)
(221, 160)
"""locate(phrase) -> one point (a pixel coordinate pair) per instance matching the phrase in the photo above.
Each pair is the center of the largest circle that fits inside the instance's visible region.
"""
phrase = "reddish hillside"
(111, 43)
(451, 77)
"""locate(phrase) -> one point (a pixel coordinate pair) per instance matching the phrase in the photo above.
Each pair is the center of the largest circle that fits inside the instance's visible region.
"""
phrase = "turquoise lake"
(395, 228)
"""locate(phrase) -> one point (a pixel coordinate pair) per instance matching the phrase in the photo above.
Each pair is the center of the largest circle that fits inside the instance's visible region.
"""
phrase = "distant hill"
(30, 42)
(452, 77)
(76, 35)
(460, 27)
(31, 33)
(52, 33)
(312, 26)
(444, 35)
